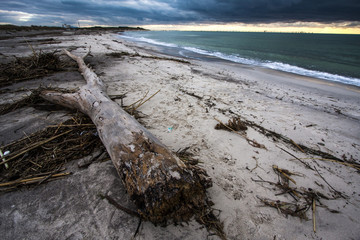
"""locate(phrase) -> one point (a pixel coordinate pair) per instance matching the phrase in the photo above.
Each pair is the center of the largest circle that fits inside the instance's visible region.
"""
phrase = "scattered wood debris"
(284, 174)
(278, 137)
(119, 54)
(26, 181)
(212, 223)
(296, 146)
(127, 54)
(191, 94)
(304, 198)
(46, 152)
(132, 108)
(287, 208)
(186, 156)
(42, 41)
(252, 142)
(205, 215)
(234, 124)
(40, 158)
(37, 65)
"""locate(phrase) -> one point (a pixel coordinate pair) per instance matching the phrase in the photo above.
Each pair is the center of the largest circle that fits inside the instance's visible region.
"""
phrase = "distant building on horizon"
(68, 26)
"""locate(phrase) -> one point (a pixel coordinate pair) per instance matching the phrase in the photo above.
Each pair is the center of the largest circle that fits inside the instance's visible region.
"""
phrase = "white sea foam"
(197, 50)
(311, 73)
(148, 40)
(267, 64)
(280, 66)
(232, 58)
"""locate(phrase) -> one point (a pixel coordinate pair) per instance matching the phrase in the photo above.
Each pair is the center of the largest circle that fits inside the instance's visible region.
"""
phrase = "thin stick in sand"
(313, 214)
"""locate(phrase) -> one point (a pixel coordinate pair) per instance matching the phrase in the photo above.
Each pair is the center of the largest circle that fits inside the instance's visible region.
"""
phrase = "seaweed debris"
(187, 157)
(287, 208)
(205, 216)
(39, 64)
(47, 151)
(303, 198)
(122, 54)
(307, 150)
(235, 124)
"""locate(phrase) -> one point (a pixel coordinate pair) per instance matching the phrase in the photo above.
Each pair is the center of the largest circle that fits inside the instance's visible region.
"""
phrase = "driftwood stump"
(160, 184)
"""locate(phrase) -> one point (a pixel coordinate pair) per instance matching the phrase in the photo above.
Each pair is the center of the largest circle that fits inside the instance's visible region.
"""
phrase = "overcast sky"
(147, 12)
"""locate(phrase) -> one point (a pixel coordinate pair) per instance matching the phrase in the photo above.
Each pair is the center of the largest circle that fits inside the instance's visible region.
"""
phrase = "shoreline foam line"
(266, 64)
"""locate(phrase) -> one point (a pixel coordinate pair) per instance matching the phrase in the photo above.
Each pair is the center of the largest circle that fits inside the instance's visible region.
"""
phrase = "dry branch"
(306, 164)
(313, 215)
(33, 180)
(353, 165)
(287, 208)
(161, 185)
(336, 191)
(118, 206)
(284, 173)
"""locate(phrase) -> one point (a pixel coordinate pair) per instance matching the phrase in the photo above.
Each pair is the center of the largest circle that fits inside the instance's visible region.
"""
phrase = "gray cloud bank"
(117, 12)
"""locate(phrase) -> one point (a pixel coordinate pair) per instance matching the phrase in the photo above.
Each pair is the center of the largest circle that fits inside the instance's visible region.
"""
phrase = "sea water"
(332, 57)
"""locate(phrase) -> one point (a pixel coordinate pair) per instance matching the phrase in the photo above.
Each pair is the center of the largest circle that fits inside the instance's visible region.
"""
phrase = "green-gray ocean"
(331, 57)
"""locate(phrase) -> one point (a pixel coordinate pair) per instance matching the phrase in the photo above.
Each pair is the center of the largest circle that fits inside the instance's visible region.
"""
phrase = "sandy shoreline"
(317, 114)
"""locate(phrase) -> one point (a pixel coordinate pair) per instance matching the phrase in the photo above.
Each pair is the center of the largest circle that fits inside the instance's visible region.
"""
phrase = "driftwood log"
(160, 184)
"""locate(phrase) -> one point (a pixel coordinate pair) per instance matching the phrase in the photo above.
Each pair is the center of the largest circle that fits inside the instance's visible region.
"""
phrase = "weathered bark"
(161, 185)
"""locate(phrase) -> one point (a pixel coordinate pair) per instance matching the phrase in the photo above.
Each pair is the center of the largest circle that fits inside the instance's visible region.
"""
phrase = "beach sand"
(194, 95)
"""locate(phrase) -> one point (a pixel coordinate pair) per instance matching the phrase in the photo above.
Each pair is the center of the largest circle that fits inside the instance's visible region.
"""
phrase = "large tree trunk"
(161, 185)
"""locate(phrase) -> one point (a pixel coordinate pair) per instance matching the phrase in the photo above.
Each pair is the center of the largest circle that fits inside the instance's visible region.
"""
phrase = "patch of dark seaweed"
(235, 124)
(122, 54)
(297, 146)
(39, 64)
(205, 216)
(47, 151)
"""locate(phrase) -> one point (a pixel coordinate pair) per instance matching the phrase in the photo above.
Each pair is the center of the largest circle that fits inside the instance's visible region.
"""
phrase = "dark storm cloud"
(274, 10)
(182, 11)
